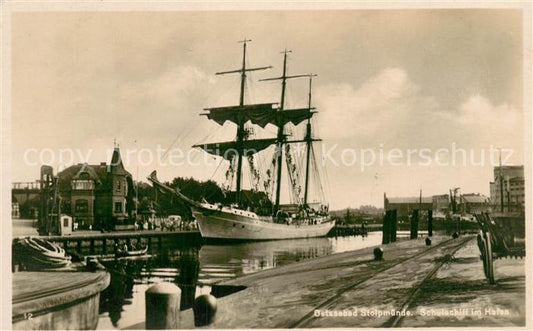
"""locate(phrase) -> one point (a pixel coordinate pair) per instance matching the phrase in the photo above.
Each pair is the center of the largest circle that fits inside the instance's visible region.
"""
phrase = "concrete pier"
(313, 293)
(57, 299)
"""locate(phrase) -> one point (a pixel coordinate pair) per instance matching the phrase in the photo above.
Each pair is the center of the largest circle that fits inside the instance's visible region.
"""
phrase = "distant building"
(405, 205)
(510, 180)
(98, 196)
(441, 203)
(473, 203)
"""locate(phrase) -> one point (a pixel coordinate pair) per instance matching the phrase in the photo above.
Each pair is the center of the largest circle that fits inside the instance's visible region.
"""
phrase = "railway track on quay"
(449, 247)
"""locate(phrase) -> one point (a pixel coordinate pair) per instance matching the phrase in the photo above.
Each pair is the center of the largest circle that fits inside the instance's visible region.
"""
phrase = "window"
(82, 184)
(117, 185)
(65, 222)
(118, 207)
(82, 206)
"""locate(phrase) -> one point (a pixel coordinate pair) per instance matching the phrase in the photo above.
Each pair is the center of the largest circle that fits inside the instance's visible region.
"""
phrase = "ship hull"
(225, 225)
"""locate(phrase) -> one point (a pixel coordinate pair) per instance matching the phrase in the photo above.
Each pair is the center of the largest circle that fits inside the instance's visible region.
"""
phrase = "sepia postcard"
(266, 164)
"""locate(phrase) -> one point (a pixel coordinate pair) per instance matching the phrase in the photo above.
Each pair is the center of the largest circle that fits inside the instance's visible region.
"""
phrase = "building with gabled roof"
(98, 196)
(474, 203)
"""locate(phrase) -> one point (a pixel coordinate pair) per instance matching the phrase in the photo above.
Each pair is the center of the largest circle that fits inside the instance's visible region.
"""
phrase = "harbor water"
(196, 267)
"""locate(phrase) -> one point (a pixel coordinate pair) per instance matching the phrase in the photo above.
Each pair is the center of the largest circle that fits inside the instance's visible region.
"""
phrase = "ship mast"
(281, 125)
(241, 132)
(280, 131)
(309, 142)
(261, 115)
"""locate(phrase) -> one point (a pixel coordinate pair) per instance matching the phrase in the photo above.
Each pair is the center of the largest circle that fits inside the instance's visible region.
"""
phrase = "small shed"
(65, 225)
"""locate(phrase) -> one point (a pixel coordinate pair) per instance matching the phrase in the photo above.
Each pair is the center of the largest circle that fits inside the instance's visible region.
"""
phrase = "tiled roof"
(97, 172)
(72, 172)
(85, 168)
(116, 163)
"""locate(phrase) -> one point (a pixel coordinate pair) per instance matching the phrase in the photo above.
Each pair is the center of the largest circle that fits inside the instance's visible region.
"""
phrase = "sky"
(388, 82)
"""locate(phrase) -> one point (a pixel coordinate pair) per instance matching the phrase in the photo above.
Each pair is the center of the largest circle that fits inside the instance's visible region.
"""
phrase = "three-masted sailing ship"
(239, 220)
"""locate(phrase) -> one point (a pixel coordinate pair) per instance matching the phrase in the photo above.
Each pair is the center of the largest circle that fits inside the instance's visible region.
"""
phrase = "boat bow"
(165, 188)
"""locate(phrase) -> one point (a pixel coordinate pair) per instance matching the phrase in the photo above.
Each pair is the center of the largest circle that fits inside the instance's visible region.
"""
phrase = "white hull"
(236, 224)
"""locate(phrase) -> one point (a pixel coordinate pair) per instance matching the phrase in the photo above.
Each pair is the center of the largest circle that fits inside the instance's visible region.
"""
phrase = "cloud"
(390, 108)
(380, 107)
(162, 106)
(478, 108)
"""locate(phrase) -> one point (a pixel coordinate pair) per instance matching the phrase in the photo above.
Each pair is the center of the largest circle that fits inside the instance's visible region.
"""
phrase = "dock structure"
(353, 230)
(290, 296)
(97, 243)
(352, 290)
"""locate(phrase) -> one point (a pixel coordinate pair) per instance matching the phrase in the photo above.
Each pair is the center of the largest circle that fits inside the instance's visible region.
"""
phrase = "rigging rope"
(255, 174)
(230, 174)
(294, 180)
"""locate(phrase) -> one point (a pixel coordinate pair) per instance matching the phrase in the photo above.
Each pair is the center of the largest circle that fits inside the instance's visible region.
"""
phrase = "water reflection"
(195, 268)
(115, 296)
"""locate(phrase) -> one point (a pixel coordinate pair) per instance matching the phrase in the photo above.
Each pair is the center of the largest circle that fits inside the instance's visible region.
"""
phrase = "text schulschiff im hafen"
(369, 312)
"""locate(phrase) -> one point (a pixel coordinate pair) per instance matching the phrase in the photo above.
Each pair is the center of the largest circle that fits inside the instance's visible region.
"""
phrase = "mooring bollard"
(428, 241)
(162, 303)
(204, 308)
(378, 254)
(93, 264)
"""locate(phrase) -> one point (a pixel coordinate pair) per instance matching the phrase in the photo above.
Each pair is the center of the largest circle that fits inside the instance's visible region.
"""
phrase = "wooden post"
(430, 223)
(386, 228)
(115, 246)
(393, 225)
(149, 243)
(104, 246)
(78, 249)
(162, 302)
(414, 224)
(65, 244)
(92, 246)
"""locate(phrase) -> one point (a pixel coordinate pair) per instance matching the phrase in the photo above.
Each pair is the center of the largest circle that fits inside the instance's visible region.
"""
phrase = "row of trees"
(167, 204)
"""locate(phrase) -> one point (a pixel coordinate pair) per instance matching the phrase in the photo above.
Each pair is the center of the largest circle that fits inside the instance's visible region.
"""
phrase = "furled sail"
(294, 116)
(259, 114)
(231, 148)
